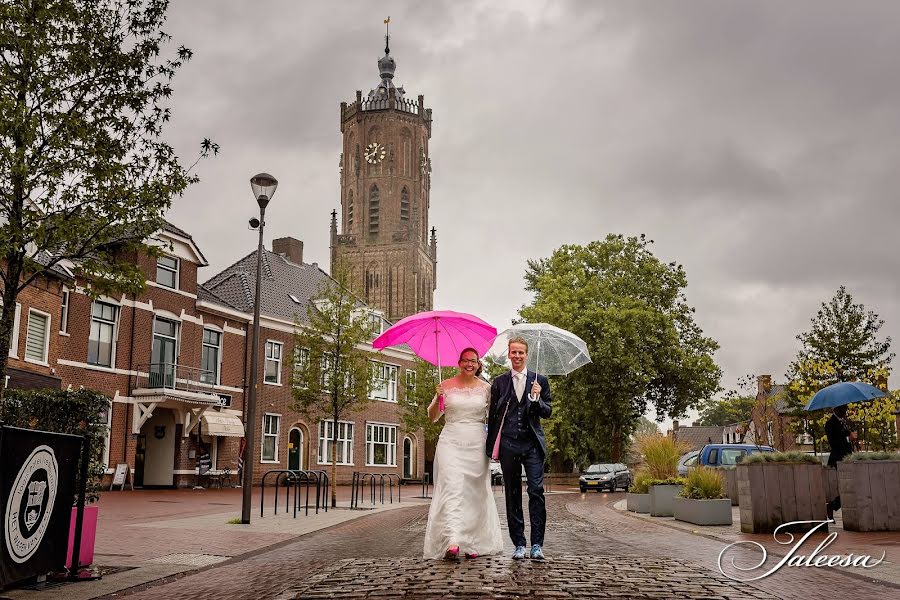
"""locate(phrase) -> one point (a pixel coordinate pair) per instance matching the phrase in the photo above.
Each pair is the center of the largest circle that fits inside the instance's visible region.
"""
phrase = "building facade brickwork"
(174, 359)
(384, 238)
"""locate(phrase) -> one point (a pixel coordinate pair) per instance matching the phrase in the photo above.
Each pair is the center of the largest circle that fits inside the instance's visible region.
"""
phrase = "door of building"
(164, 354)
(139, 455)
(407, 459)
(295, 450)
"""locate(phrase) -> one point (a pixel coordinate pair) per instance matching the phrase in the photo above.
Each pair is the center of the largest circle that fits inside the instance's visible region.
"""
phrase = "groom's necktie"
(519, 383)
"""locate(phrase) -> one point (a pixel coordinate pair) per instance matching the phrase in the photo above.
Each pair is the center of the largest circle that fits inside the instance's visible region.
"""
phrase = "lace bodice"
(466, 405)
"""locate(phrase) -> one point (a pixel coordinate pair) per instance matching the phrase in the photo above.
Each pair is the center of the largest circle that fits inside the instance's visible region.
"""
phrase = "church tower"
(384, 237)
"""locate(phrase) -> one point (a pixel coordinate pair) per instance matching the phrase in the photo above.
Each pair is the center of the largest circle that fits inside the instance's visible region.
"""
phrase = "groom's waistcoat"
(516, 426)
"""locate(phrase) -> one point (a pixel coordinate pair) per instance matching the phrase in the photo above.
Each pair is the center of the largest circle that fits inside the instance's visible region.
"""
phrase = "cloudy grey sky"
(756, 142)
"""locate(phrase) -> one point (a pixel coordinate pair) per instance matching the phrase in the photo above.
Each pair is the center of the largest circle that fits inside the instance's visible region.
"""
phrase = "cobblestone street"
(594, 551)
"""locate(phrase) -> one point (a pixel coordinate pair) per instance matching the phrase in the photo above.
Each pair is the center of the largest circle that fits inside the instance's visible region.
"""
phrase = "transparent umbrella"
(551, 350)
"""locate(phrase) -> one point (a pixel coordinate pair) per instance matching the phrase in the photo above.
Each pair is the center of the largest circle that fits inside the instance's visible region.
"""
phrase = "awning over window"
(222, 425)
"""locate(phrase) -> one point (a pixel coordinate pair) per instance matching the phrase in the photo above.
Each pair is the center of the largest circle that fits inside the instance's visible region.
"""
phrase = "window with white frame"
(327, 363)
(381, 445)
(211, 356)
(102, 340)
(107, 418)
(410, 381)
(344, 442)
(64, 312)
(273, 362)
(14, 334)
(377, 323)
(271, 426)
(301, 361)
(37, 336)
(167, 271)
(384, 385)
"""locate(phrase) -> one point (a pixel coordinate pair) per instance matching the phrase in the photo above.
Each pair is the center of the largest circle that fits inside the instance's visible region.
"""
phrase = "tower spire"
(387, 36)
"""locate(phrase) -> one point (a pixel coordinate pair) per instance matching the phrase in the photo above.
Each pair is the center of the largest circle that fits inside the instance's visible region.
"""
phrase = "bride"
(463, 516)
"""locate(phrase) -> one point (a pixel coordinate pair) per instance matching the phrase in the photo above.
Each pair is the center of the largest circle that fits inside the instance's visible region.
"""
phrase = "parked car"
(606, 476)
(687, 461)
(718, 455)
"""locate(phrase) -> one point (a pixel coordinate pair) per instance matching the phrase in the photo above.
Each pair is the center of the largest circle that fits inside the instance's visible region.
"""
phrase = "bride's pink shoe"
(452, 553)
(471, 555)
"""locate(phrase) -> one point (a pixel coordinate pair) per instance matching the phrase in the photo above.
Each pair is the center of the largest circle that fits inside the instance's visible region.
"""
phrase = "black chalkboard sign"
(205, 462)
(37, 485)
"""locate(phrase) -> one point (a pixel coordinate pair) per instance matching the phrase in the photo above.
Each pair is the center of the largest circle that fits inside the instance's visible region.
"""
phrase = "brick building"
(372, 439)
(34, 345)
(174, 359)
(166, 361)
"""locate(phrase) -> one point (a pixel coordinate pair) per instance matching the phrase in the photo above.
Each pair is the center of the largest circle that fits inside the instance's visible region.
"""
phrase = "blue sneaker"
(519, 553)
(537, 553)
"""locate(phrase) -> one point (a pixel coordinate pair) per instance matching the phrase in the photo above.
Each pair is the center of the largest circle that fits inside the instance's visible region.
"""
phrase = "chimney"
(674, 426)
(763, 384)
(289, 248)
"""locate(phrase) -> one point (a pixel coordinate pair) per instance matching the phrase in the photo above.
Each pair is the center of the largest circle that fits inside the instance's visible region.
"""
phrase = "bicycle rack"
(299, 481)
(426, 485)
(358, 487)
(290, 476)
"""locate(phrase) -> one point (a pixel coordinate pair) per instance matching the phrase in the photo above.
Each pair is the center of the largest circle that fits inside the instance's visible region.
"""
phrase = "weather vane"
(387, 35)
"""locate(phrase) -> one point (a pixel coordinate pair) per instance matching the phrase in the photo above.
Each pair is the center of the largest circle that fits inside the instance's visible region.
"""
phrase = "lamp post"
(263, 186)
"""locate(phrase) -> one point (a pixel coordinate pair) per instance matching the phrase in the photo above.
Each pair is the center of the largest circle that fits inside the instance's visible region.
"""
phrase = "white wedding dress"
(463, 511)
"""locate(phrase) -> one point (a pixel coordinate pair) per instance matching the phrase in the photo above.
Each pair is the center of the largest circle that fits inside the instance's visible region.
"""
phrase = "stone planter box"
(662, 500)
(772, 494)
(870, 494)
(731, 485)
(703, 512)
(639, 503)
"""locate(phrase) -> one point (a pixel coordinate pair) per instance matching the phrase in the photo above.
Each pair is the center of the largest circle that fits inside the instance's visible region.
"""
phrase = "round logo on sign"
(30, 504)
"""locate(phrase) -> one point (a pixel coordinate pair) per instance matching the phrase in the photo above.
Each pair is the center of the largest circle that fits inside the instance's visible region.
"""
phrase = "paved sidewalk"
(846, 542)
(150, 535)
(594, 551)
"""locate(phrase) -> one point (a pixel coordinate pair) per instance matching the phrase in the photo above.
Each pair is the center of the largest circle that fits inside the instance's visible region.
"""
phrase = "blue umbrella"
(845, 392)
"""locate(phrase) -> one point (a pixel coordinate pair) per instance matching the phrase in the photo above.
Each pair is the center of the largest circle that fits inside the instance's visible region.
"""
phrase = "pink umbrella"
(439, 332)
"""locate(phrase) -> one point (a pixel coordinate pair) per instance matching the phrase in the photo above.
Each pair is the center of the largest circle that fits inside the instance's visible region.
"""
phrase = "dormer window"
(167, 272)
(377, 323)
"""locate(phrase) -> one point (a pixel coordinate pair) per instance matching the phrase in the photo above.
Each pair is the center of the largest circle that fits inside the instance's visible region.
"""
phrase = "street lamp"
(263, 186)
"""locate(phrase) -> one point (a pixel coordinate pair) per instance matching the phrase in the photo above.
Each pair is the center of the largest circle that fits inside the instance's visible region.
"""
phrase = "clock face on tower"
(374, 153)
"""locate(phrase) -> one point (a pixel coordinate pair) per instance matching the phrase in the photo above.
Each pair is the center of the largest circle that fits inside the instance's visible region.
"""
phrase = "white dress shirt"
(519, 378)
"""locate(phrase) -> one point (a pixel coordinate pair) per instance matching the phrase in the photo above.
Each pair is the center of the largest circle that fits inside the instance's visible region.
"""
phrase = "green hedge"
(780, 457)
(874, 456)
(78, 412)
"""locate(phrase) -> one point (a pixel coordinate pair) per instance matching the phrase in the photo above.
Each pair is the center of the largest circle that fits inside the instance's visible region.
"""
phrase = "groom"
(516, 419)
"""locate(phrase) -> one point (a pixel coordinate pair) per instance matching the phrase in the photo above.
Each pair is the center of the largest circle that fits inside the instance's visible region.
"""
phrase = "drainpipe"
(130, 367)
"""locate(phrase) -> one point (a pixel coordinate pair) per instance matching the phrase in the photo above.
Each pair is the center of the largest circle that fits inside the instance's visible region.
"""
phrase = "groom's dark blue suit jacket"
(502, 392)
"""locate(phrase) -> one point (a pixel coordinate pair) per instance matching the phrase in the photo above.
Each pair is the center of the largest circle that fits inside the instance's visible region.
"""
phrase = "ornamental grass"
(703, 483)
(661, 454)
(641, 483)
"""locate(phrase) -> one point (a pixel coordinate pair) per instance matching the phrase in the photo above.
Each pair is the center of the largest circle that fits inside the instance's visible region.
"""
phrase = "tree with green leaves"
(842, 344)
(726, 411)
(731, 408)
(85, 176)
(333, 375)
(646, 349)
(414, 403)
(645, 426)
(845, 335)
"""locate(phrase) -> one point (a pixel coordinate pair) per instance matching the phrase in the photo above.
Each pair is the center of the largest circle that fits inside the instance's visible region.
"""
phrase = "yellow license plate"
(593, 482)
